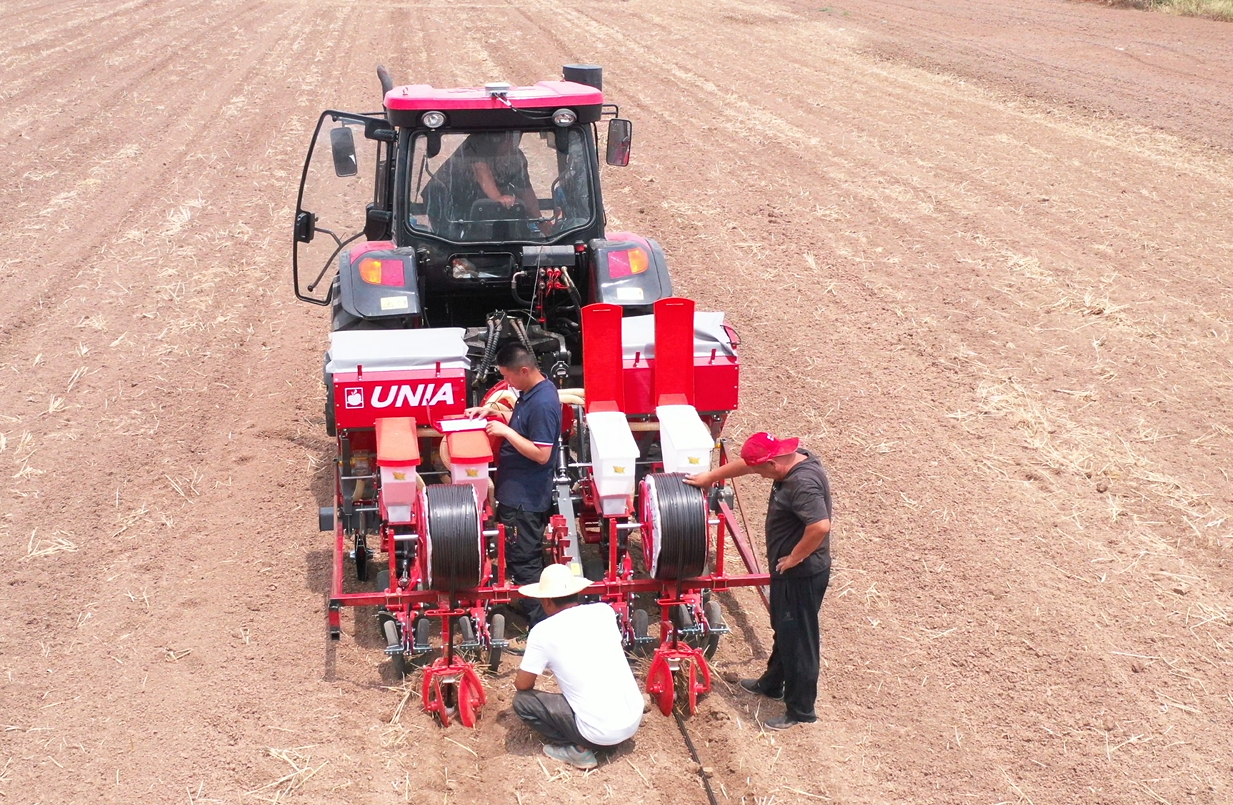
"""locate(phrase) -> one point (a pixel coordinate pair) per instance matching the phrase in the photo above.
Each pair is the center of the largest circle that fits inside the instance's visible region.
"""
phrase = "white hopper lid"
(638, 335)
(397, 350)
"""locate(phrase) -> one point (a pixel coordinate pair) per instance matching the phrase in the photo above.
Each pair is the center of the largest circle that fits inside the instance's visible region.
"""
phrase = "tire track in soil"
(181, 127)
(158, 559)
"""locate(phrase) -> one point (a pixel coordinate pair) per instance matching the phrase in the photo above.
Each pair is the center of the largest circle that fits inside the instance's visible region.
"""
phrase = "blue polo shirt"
(521, 481)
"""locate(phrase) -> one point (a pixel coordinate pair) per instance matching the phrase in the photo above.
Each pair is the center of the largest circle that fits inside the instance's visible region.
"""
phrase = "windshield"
(496, 186)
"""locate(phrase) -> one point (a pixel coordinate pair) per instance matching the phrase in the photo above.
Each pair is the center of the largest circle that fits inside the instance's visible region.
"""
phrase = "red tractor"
(436, 231)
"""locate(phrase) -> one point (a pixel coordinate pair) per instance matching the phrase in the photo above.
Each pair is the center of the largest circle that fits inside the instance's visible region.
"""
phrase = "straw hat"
(556, 581)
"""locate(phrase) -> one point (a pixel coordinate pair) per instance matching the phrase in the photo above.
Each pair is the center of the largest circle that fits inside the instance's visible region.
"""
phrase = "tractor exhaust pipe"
(387, 83)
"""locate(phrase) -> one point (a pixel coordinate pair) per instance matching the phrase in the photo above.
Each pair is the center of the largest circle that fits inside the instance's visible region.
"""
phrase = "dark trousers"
(524, 551)
(550, 715)
(795, 657)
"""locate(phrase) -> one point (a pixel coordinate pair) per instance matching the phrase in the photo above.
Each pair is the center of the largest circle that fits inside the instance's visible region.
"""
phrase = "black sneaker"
(783, 722)
(755, 686)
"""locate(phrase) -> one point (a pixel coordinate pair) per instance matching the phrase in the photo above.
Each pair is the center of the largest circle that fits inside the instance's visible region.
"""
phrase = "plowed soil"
(980, 257)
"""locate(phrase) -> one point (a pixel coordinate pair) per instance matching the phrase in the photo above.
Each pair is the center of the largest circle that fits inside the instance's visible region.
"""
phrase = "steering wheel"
(486, 209)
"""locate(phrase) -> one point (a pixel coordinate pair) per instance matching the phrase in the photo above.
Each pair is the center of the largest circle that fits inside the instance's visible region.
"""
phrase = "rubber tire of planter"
(399, 660)
(496, 632)
(714, 617)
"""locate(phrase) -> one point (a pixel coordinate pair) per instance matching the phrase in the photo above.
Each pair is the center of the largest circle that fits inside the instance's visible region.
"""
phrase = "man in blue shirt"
(525, 466)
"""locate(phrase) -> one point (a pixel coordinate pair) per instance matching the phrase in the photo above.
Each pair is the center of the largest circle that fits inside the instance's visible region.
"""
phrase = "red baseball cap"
(762, 447)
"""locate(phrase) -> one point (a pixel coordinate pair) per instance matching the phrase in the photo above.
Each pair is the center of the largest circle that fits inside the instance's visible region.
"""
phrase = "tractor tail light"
(628, 262)
(382, 272)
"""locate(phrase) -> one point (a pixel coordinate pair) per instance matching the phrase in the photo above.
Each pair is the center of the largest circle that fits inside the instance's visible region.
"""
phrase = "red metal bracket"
(453, 687)
(661, 678)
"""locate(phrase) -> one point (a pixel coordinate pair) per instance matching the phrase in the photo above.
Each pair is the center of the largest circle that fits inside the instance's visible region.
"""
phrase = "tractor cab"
(452, 207)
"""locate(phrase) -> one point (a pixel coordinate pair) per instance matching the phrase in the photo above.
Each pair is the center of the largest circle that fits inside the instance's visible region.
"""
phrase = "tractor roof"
(555, 94)
(480, 107)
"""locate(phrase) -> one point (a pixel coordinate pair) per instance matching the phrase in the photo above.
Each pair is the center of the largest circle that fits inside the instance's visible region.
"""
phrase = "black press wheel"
(641, 628)
(496, 633)
(466, 629)
(392, 640)
(361, 557)
(421, 633)
(714, 619)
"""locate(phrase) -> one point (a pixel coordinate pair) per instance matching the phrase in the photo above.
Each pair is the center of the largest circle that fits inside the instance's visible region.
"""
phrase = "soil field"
(980, 255)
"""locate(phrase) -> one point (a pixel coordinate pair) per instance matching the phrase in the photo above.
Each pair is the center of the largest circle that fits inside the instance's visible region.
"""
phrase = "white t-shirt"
(582, 647)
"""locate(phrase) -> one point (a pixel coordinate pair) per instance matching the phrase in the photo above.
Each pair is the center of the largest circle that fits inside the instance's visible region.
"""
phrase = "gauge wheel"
(398, 659)
(496, 633)
(714, 617)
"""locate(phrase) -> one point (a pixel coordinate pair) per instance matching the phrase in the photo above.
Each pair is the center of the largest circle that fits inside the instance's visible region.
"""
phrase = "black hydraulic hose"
(520, 330)
(574, 293)
(452, 537)
(496, 323)
(682, 519)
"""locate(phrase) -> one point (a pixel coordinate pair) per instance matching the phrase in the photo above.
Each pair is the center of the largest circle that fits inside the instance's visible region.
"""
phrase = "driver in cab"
(488, 165)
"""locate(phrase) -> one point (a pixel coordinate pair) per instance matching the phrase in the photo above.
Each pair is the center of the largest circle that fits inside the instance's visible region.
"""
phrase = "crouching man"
(599, 705)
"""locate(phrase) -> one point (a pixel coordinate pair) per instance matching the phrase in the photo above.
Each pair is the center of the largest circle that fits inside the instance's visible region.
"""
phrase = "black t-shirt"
(521, 481)
(801, 499)
(457, 175)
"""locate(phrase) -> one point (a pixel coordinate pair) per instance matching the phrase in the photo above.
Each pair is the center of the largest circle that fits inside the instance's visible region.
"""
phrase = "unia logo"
(353, 397)
(406, 396)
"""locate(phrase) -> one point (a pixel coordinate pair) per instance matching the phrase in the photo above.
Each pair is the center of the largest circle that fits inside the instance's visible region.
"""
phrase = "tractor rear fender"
(629, 270)
(379, 282)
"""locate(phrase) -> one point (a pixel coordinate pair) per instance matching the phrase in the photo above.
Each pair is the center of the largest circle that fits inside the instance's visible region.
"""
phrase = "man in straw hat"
(798, 550)
(599, 704)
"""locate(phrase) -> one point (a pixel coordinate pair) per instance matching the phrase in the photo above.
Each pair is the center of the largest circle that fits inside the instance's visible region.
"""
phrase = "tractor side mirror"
(342, 146)
(620, 137)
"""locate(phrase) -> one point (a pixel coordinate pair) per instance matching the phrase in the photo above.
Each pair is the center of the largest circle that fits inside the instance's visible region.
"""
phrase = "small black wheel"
(383, 580)
(681, 617)
(594, 568)
(421, 633)
(496, 632)
(466, 629)
(641, 627)
(398, 659)
(361, 558)
(714, 618)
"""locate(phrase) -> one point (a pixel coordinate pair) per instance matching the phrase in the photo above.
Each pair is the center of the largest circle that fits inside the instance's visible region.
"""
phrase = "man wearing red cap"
(798, 527)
